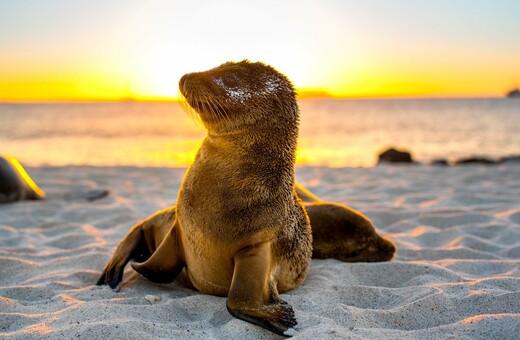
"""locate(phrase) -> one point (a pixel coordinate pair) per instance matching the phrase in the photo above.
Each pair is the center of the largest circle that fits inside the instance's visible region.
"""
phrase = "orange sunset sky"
(119, 50)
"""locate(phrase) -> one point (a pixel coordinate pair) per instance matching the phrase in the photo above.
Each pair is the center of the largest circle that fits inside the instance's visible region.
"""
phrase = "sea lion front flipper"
(249, 296)
(166, 262)
(126, 250)
(139, 244)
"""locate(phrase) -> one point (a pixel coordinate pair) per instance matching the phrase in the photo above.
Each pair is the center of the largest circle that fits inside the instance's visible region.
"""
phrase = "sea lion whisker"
(187, 108)
(222, 111)
(229, 120)
(203, 107)
(212, 111)
(208, 109)
(217, 113)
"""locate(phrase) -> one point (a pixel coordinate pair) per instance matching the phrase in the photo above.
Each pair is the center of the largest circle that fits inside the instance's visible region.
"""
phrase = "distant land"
(514, 93)
(306, 93)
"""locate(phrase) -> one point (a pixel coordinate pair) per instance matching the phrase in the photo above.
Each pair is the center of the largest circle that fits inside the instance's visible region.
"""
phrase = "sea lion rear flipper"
(139, 244)
(249, 297)
(166, 262)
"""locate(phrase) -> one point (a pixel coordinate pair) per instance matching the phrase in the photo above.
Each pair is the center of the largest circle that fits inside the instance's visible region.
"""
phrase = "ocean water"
(332, 133)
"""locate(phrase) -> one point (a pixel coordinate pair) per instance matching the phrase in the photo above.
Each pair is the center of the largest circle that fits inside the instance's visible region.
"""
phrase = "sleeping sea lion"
(15, 183)
(343, 233)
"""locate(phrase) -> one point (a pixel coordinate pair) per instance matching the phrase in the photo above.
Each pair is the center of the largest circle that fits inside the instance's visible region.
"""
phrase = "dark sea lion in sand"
(338, 232)
(240, 230)
(343, 233)
(17, 185)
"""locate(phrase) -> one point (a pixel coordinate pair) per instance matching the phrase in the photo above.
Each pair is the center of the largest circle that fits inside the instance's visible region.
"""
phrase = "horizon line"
(300, 96)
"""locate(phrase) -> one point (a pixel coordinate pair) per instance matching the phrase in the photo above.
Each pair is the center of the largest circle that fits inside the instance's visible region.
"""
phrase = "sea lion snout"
(182, 82)
(385, 249)
(389, 246)
(191, 84)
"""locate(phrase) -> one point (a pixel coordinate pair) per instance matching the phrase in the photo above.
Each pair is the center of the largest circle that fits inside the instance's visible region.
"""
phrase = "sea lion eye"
(230, 81)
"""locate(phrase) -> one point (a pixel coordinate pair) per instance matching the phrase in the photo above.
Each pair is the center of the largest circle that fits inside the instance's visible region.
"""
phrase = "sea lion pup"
(15, 183)
(240, 231)
(342, 233)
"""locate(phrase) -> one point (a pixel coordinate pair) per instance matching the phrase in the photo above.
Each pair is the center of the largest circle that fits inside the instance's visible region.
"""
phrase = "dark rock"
(475, 160)
(440, 162)
(510, 159)
(395, 156)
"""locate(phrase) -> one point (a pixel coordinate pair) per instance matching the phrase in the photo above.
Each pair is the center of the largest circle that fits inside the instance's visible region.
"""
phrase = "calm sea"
(333, 132)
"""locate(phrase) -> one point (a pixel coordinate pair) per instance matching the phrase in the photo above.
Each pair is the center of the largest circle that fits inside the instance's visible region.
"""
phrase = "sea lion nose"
(182, 82)
(390, 247)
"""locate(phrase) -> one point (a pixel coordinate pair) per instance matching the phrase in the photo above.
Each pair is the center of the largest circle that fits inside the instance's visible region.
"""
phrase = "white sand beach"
(456, 273)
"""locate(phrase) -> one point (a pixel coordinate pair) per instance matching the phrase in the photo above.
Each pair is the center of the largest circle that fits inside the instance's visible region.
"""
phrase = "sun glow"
(120, 51)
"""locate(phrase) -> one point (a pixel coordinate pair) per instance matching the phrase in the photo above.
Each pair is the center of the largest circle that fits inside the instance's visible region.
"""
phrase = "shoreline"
(511, 160)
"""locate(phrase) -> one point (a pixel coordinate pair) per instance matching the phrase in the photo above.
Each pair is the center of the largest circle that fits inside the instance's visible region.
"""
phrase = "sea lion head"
(342, 233)
(235, 95)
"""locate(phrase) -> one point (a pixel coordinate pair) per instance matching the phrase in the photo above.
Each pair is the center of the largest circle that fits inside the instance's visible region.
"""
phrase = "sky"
(133, 49)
